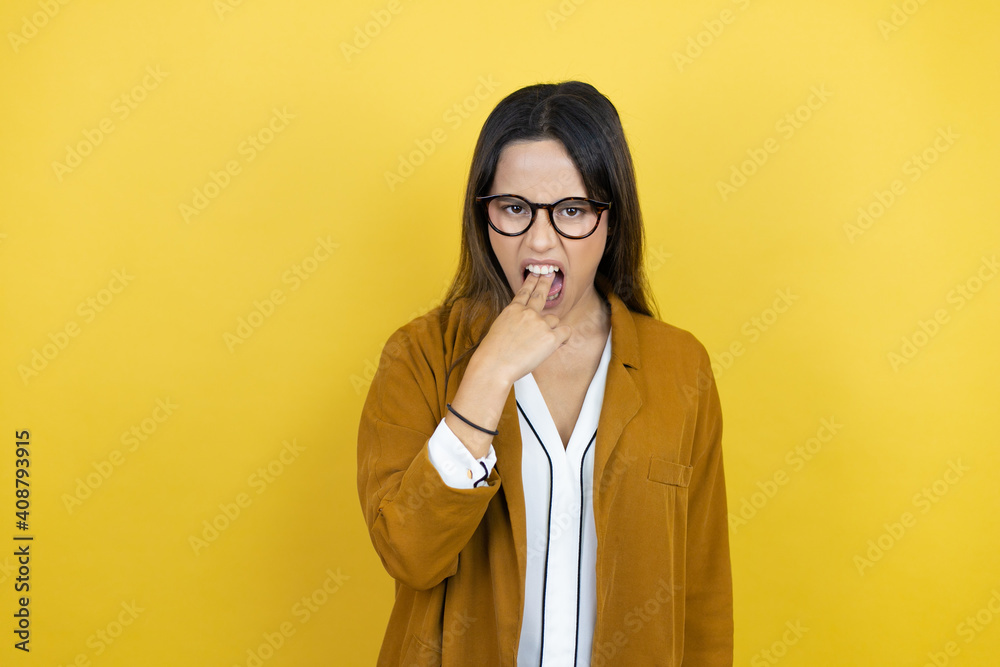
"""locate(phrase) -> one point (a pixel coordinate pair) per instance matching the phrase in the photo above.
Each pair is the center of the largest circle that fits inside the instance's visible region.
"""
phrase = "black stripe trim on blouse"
(579, 557)
(548, 529)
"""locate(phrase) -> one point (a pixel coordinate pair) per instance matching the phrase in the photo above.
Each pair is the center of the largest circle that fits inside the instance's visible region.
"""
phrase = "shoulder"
(432, 328)
(414, 367)
(659, 339)
(674, 364)
(427, 342)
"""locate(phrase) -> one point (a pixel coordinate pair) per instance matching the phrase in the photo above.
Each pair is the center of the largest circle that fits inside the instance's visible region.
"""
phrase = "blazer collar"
(624, 341)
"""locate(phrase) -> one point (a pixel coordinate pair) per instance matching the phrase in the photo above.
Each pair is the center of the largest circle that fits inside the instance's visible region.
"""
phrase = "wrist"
(487, 378)
(477, 442)
(482, 429)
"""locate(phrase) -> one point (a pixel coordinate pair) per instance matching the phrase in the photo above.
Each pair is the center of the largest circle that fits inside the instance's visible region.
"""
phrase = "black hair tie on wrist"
(484, 430)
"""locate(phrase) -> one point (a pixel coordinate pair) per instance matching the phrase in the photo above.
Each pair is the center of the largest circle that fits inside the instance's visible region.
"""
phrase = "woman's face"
(543, 172)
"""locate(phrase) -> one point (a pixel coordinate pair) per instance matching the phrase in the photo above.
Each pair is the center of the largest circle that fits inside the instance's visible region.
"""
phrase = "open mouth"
(555, 289)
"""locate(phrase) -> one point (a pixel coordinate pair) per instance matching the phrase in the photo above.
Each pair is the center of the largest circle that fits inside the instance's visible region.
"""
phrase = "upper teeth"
(542, 269)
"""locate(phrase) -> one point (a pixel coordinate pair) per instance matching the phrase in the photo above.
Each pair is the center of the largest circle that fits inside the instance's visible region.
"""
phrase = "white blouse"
(560, 604)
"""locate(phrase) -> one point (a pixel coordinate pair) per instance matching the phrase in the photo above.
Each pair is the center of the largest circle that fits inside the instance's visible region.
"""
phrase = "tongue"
(557, 283)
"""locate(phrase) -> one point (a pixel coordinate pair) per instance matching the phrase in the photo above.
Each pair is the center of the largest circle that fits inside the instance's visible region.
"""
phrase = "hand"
(521, 337)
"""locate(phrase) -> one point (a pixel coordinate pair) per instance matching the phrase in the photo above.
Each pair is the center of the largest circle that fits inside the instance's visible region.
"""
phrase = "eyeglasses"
(572, 217)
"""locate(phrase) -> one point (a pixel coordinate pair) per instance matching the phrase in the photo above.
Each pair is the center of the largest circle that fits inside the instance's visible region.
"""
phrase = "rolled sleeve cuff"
(457, 466)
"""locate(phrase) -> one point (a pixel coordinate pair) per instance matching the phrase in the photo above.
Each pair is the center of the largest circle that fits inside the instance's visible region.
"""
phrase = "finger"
(541, 292)
(524, 293)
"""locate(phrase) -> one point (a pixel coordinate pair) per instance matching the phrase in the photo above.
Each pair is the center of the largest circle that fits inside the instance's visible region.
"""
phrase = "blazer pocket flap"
(668, 472)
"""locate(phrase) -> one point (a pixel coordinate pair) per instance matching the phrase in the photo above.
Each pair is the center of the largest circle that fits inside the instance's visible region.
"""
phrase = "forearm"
(480, 399)
(417, 523)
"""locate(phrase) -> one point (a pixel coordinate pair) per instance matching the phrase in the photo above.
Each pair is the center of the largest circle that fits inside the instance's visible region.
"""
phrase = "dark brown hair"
(587, 124)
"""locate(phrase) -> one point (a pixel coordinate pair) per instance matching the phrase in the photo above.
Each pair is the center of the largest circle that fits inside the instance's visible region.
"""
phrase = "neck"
(591, 318)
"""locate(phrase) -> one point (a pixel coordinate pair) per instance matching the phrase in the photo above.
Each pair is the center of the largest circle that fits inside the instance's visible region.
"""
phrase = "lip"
(551, 262)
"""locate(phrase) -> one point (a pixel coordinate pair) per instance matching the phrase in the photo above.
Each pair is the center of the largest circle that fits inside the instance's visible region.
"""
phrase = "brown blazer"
(664, 583)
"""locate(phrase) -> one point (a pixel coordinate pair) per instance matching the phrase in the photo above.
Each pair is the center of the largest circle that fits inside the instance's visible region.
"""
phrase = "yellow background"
(347, 118)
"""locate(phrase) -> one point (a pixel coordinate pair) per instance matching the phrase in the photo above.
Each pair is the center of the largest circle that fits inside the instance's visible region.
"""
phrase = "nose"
(542, 234)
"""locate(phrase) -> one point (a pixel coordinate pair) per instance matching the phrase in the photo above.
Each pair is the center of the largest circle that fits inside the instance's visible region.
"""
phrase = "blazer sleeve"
(708, 624)
(417, 523)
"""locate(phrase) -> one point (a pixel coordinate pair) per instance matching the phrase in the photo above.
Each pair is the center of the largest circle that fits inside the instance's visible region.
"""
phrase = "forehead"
(540, 170)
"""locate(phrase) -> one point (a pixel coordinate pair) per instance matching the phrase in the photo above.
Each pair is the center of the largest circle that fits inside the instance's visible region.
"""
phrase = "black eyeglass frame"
(601, 207)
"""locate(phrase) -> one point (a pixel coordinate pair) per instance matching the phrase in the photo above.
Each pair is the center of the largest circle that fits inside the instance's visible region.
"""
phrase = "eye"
(574, 208)
(511, 207)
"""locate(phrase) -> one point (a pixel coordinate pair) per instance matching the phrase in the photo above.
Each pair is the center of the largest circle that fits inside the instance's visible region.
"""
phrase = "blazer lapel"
(621, 395)
(507, 445)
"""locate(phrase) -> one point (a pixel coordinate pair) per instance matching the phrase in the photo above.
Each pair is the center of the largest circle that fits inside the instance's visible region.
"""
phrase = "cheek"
(596, 252)
(505, 256)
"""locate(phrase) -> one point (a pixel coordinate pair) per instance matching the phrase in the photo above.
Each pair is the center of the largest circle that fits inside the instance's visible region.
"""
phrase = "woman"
(579, 519)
